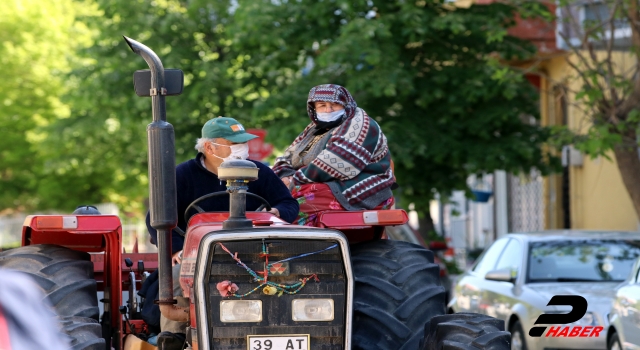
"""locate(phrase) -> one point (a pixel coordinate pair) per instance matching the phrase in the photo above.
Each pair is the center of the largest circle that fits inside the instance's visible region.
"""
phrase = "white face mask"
(331, 116)
(239, 151)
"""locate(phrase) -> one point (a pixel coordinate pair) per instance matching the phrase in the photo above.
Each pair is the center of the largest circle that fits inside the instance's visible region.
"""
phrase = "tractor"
(249, 279)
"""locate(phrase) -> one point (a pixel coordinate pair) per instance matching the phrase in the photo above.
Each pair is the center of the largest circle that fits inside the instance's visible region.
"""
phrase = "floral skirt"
(315, 198)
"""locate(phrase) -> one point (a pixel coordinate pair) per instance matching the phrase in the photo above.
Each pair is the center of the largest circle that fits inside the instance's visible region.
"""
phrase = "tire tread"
(66, 279)
(397, 291)
(466, 331)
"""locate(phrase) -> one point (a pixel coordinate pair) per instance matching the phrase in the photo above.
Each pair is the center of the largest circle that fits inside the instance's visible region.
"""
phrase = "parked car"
(515, 278)
(624, 331)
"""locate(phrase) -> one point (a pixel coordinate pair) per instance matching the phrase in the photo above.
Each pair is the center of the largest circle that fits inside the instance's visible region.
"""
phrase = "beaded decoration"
(268, 287)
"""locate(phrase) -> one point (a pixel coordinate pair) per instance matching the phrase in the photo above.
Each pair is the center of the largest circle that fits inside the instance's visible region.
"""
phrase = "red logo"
(575, 331)
(279, 269)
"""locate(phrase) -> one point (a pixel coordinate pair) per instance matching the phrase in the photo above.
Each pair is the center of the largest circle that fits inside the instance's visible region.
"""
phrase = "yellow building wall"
(598, 198)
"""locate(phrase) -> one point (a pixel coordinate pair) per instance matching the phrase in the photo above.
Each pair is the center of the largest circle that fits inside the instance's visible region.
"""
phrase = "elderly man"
(222, 138)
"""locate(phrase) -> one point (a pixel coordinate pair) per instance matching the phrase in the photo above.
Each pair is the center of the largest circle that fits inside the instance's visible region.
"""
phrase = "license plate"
(278, 342)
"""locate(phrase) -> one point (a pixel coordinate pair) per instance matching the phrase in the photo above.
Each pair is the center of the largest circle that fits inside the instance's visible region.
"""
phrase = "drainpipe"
(502, 200)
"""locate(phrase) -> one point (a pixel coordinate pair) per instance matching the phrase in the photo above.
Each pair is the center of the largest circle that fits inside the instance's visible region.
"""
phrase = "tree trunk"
(426, 225)
(629, 166)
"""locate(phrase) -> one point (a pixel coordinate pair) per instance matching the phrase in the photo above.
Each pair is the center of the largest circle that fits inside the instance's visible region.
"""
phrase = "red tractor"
(251, 280)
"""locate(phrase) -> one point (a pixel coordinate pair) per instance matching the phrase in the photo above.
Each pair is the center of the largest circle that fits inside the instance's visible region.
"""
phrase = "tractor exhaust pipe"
(237, 173)
(162, 180)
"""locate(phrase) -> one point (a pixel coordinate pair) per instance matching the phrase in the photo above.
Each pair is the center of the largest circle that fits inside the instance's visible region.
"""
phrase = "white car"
(624, 332)
(516, 277)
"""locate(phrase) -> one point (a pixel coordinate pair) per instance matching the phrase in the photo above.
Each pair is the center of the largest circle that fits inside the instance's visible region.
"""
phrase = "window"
(587, 260)
(488, 260)
(511, 257)
(575, 19)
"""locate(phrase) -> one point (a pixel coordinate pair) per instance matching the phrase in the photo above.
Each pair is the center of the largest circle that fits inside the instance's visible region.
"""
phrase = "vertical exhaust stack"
(237, 173)
(162, 180)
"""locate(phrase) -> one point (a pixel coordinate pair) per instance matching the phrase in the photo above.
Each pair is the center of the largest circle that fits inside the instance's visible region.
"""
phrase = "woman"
(340, 161)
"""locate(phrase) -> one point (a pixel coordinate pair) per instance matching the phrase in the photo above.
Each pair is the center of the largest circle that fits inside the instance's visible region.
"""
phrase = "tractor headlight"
(312, 310)
(241, 310)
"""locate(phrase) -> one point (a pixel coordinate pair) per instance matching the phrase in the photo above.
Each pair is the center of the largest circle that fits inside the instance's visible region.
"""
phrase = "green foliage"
(427, 72)
(452, 267)
(36, 51)
(608, 93)
(101, 152)
(596, 142)
(533, 9)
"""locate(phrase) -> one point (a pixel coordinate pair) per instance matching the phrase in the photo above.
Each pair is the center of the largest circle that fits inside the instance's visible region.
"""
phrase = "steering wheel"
(264, 205)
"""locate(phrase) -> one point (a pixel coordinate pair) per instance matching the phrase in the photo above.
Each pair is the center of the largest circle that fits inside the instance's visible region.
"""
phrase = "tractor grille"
(276, 310)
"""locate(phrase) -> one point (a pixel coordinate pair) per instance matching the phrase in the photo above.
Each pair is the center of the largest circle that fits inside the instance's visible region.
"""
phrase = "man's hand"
(273, 211)
(176, 258)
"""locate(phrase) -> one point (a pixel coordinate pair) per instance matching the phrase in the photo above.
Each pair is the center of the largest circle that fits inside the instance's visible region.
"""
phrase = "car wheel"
(517, 337)
(614, 343)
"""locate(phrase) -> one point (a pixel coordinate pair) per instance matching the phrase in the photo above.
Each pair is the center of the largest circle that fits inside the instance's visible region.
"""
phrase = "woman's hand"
(176, 258)
(287, 180)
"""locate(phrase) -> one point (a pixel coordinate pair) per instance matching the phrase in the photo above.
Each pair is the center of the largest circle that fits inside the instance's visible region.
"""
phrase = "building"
(588, 194)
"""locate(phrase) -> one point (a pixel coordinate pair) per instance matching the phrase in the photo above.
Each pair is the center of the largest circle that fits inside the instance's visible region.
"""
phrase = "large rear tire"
(466, 331)
(397, 291)
(66, 279)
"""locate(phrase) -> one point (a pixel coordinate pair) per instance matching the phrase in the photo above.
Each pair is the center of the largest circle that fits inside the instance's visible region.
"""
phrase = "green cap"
(226, 128)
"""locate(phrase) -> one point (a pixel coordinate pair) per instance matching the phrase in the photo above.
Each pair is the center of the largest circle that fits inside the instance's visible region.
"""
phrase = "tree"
(605, 52)
(100, 153)
(426, 71)
(37, 50)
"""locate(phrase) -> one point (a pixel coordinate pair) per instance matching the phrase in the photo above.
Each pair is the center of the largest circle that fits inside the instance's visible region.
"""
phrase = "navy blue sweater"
(194, 181)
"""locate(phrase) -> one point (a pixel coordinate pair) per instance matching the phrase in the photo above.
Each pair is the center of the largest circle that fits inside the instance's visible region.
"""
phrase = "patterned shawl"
(350, 155)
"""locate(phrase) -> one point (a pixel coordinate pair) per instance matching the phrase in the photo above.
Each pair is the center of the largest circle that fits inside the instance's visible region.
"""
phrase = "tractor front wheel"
(66, 279)
(397, 291)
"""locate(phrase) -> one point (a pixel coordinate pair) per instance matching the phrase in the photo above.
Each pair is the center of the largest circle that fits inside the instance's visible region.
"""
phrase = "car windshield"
(590, 260)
